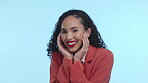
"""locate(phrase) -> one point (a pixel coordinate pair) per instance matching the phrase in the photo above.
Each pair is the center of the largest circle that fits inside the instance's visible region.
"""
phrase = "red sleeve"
(59, 73)
(101, 75)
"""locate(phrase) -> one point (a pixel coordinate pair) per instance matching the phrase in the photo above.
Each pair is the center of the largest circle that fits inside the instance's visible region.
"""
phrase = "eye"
(63, 31)
(75, 30)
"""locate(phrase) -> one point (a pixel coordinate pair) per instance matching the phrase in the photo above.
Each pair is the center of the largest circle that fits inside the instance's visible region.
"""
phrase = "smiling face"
(71, 33)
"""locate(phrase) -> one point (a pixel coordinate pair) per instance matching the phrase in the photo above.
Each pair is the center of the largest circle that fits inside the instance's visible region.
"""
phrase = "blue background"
(26, 27)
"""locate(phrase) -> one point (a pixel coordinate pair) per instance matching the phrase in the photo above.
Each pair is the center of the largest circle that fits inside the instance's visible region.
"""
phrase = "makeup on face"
(71, 33)
(71, 43)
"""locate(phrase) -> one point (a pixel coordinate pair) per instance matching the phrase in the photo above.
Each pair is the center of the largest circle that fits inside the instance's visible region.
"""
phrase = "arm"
(101, 75)
(59, 73)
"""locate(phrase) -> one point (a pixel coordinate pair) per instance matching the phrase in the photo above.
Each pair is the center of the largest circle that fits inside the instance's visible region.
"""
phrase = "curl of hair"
(94, 38)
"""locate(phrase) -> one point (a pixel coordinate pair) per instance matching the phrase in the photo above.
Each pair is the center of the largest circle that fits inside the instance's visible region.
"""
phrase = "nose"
(69, 36)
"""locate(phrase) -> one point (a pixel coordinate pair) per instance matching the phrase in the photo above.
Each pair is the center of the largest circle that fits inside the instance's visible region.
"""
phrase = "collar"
(83, 58)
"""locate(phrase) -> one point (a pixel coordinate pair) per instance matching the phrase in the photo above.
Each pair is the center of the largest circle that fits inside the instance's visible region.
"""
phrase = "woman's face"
(71, 33)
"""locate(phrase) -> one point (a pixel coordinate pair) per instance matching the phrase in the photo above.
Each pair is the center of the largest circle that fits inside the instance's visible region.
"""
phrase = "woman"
(79, 54)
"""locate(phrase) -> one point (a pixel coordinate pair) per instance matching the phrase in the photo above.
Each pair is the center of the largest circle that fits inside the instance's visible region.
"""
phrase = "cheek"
(79, 36)
(62, 38)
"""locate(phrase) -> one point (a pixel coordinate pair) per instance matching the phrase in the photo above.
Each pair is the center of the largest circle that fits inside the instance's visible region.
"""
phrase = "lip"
(71, 43)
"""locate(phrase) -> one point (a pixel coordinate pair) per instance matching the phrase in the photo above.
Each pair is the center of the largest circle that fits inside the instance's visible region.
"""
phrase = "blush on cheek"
(80, 43)
(62, 39)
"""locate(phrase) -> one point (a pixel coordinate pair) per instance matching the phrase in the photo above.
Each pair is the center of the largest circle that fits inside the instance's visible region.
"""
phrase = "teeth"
(72, 43)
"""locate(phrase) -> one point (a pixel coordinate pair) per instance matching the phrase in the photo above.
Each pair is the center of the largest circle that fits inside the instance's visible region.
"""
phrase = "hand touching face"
(74, 37)
(72, 32)
(62, 49)
(81, 52)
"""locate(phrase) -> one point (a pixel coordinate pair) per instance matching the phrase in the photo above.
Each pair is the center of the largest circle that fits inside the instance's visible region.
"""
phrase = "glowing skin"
(72, 32)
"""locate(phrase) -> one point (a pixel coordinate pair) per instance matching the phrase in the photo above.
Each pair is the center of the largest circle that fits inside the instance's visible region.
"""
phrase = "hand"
(62, 49)
(80, 53)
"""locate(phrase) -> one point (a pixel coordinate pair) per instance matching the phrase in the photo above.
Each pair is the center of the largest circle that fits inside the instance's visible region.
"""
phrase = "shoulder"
(103, 51)
(103, 54)
(56, 55)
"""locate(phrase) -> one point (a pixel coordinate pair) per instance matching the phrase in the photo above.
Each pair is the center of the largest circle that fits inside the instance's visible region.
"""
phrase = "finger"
(86, 43)
(86, 40)
(85, 47)
(58, 40)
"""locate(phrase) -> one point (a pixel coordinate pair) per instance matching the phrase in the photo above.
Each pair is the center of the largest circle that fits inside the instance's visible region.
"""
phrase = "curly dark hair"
(94, 38)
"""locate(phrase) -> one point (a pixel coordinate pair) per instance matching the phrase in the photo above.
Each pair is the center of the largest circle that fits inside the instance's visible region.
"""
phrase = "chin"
(72, 50)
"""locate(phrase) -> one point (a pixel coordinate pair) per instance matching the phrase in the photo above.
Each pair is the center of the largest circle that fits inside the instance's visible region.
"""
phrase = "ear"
(88, 32)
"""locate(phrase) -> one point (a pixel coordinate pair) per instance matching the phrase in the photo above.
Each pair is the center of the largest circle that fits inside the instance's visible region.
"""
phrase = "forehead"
(71, 21)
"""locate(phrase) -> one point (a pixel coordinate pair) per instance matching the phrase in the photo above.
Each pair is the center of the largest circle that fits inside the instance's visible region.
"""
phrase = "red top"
(96, 68)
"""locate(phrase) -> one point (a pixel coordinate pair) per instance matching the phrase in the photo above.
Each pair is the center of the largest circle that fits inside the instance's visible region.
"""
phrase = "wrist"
(69, 57)
(76, 59)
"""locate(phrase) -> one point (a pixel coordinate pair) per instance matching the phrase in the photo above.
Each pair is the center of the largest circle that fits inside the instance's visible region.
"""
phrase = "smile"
(71, 43)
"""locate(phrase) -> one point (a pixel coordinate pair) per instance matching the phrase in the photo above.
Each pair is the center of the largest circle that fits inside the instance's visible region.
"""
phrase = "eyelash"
(75, 30)
(63, 31)
(66, 31)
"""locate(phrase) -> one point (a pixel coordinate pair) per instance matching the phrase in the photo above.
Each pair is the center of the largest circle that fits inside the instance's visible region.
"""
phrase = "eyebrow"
(73, 27)
(70, 28)
(63, 29)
